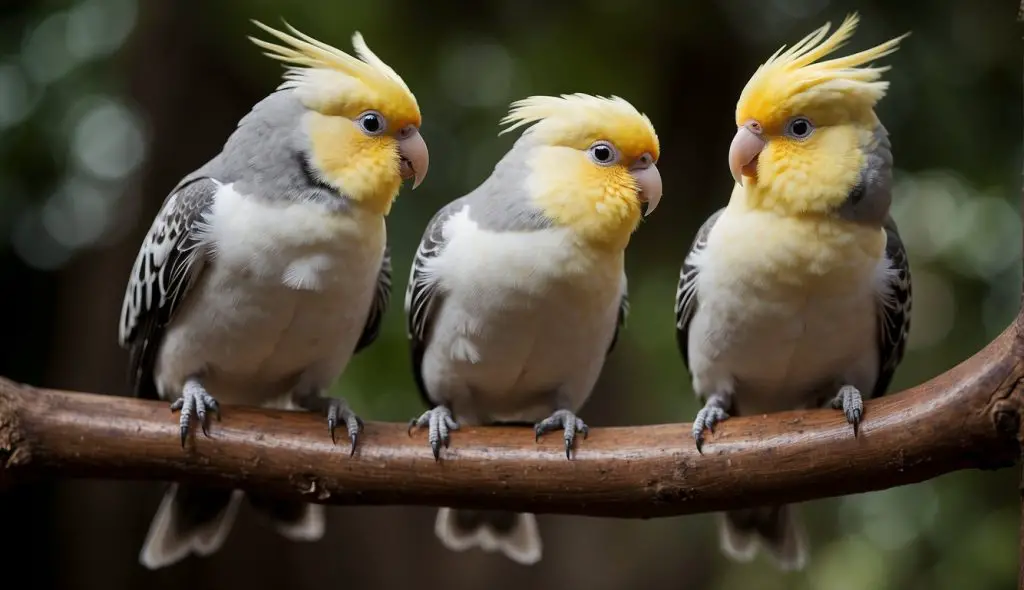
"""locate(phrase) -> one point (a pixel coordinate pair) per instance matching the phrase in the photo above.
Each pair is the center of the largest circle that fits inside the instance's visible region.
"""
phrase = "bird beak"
(648, 179)
(743, 152)
(414, 157)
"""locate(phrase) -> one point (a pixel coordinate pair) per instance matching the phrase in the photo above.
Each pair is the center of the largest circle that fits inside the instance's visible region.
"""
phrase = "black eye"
(372, 123)
(799, 127)
(603, 153)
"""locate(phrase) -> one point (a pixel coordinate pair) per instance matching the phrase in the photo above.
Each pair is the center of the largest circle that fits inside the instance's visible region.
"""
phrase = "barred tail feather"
(189, 520)
(776, 528)
(515, 535)
(295, 521)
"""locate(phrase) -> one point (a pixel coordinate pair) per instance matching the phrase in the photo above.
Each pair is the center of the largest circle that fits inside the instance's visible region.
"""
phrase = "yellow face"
(367, 151)
(805, 158)
(593, 165)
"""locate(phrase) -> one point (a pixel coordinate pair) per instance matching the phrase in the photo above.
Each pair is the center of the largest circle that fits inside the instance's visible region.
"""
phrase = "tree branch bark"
(968, 417)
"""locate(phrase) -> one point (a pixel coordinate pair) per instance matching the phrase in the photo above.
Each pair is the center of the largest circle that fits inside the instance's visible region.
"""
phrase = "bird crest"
(796, 74)
(315, 66)
(582, 119)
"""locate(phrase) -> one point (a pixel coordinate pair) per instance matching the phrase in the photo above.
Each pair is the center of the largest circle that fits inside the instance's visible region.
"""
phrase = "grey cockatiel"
(797, 294)
(267, 268)
(518, 290)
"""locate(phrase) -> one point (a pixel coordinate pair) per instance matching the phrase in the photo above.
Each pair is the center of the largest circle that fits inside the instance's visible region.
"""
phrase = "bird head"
(592, 162)
(362, 120)
(808, 136)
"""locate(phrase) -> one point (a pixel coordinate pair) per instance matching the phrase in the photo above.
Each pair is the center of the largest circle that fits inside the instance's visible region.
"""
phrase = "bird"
(797, 293)
(518, 289)
(268, 267)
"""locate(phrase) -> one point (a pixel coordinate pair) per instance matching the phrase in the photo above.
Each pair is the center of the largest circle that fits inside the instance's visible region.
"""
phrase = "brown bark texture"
(968, 417)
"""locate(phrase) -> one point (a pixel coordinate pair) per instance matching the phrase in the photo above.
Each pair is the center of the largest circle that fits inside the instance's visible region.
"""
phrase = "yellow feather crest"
(586, 117)
(311, 54)
(791, 72)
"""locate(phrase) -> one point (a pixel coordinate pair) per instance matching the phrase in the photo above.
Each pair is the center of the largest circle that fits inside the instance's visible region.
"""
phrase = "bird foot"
(565, 420)
(439, 422)
(849, 400)
(338, 412)
(194, 401)
(713, 412)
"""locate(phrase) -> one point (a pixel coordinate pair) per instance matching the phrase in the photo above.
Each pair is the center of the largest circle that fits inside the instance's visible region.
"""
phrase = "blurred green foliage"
(74, 139)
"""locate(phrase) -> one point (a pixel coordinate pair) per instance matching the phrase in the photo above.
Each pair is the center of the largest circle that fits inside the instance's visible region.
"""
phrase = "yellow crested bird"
(267, 268)
(797, 293)
(518, 289)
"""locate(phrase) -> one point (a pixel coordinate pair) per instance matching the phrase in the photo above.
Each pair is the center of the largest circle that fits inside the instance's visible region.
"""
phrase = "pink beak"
(743, 152)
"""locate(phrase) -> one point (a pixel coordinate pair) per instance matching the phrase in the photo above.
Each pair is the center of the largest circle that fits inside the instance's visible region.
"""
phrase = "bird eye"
(602, 153)
(372, 123)
(799, 128)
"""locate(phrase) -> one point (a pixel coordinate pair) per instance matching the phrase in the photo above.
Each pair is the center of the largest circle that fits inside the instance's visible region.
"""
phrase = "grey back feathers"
(501, 202)
(268, 156)
(870, 198)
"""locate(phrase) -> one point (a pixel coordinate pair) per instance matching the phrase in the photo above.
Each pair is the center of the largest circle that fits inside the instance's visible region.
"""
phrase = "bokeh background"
(104, 104)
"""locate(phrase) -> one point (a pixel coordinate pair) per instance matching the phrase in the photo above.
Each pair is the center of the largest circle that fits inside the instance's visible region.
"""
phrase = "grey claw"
(711, 414)
(565, 420)
(439, 423)
(194, 401)
(338, 411)
(850, 401)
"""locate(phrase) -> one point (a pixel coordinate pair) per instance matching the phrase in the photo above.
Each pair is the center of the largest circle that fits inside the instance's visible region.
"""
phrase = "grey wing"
(422, 296)
(623, 316)
(167, 265)
(380, 303)
(894, 309)
(686, 291)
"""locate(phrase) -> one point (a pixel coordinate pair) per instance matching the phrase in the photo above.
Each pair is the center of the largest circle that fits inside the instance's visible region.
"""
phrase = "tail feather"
(515, 535)
(189, 520)
(296, 521)
(776, 528)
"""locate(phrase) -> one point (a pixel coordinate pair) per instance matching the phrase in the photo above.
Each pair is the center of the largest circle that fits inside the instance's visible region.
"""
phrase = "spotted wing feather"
(687, 300)
(167, 265)
(894, 310)
(422, 295)
(379, 305)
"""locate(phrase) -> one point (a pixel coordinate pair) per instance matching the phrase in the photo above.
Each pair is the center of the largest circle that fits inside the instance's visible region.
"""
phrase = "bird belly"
(516, 346)
(785, 323)
(266, 313)
(778, 357)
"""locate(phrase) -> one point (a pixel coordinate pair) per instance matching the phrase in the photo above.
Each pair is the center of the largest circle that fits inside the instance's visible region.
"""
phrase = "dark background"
(104, 104)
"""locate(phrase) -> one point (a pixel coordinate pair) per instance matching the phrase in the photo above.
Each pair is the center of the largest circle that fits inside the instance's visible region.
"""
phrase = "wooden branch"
(969, 417)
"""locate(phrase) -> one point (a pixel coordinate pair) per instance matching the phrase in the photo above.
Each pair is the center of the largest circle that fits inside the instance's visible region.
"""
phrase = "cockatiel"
(518, 289)
(268, 268)
(797, 293)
